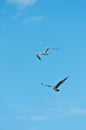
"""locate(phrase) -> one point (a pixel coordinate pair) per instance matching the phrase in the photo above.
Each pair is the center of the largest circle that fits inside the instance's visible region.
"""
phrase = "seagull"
(57, 85)
(45, 52)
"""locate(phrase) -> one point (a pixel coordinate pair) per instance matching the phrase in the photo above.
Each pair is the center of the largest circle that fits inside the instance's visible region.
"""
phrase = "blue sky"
(27, 27)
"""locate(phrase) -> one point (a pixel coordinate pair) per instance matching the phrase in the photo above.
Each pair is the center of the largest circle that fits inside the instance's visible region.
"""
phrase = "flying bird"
(57, 85)
(45, 52)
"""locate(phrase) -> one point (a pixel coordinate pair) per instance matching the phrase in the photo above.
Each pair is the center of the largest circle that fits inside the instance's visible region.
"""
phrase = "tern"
(45, 52)
(57, 85)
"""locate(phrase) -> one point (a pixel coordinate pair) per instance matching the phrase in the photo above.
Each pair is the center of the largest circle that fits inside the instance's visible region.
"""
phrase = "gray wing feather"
(55, 48)
(60, 82)
(46, 85)
(46, 50)
(38, 56)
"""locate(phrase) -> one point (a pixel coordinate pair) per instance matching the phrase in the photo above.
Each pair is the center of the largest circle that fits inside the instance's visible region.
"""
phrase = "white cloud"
(22, 2)
(25, 117)
(38, 118)
(68, 112)
(34, 19)
(32, 118)
(75, 111)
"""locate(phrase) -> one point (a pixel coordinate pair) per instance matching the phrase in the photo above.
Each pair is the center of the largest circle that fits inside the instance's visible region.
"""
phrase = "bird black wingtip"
(67, 77)
(41, 83)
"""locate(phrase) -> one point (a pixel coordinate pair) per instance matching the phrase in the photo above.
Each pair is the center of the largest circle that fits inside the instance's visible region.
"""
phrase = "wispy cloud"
(38, 118)
(21, 10)
(70, 111)
(74, 111)
(33, 19)
(22, 2)
(25, 117)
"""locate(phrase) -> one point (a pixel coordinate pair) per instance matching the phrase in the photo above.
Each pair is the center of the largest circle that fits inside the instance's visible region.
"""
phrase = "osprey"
(57, 85)
(45, 52)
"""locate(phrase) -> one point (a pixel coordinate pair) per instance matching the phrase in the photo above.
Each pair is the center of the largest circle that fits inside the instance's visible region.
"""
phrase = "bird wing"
(59, 83)
(55, 48)
(46, 85)
(38, 56)
(46, 50)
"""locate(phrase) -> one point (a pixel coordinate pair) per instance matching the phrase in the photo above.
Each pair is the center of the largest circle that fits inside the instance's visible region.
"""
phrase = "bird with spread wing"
(45, 52)
(57, 85)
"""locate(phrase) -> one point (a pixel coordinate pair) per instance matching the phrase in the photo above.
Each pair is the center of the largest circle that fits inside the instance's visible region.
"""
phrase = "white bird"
(45, 52)
(57, 85)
